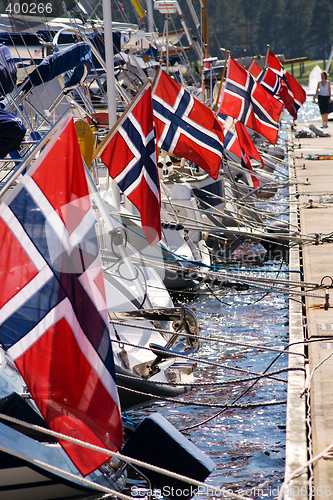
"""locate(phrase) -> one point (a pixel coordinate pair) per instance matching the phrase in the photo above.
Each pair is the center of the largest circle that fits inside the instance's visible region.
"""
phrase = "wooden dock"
(310, 393)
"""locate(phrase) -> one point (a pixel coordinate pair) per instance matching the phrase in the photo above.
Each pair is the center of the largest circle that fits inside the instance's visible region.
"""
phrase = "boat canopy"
(77, 57)
(8, 71)
(31, 39)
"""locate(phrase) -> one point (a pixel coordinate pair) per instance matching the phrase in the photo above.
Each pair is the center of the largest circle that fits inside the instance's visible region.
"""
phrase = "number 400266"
(29, 8)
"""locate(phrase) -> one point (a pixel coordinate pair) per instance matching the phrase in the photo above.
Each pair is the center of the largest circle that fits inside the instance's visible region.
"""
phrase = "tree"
(297, 20)
(270, 25)
(320, 32)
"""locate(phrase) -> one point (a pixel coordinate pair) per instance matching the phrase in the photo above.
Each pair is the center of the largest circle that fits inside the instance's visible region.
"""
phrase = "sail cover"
(77, 57)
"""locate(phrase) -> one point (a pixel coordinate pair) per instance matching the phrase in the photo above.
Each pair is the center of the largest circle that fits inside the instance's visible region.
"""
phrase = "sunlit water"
(246, 444)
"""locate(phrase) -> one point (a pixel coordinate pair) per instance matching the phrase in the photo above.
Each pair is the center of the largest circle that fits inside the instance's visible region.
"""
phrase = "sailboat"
(54, 325)
(50, 275)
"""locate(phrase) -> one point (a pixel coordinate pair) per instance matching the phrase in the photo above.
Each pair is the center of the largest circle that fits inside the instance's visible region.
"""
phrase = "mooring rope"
(200, 360)
(119, 456)
(206, 274)
(208, 384)
(206, 339)
(226, 405)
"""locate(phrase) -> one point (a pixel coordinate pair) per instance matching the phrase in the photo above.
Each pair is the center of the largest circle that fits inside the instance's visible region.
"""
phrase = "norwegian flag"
(278, 88)
(270, 81)
(53, 316)
(279, 82)
(238, 142)
(246, 143)
(129, 152)
(185, 127)
(255, 69)
(247, 101)
(245, 162)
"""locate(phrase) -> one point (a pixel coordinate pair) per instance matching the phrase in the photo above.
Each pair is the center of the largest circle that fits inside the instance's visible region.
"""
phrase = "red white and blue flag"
(238, 142)
(255, 69)
(277, 87)
(53, 313)
(129, 152)
(246, 143)
(246, 100)
(185, 127)
(277, 81)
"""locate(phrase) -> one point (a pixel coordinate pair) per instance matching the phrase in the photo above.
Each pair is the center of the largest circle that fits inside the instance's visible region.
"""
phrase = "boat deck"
(310, 397)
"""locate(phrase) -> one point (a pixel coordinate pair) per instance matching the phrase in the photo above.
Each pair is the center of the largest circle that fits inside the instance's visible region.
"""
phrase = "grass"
(308, 66)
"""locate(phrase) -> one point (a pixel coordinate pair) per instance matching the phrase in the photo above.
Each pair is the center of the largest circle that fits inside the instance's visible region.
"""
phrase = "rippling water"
(309, 111)
(247, 445)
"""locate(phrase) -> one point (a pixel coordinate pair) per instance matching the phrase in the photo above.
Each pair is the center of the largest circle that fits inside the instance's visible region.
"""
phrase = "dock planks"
(315, 210)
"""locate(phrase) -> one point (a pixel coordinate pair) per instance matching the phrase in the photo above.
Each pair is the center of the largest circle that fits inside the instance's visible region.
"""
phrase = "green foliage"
(295, 28)
(321, 27)
(268, 26)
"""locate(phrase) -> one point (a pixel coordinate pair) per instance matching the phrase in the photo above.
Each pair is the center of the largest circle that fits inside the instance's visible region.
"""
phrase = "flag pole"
(266, 56)
(253, 59)
(222, 79)
(107, 219)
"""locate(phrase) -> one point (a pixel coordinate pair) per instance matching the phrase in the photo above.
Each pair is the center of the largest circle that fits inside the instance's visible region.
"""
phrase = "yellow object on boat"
(138, 8)
(86, 139)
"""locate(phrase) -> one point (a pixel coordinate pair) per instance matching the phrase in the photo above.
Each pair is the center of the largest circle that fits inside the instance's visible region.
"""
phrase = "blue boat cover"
(8, 71)
(12, 131)
(30, 39)
(77, 56)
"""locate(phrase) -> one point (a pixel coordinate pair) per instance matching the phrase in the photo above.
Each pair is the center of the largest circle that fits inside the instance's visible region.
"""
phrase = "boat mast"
(150, 16)
(204, 28)
(111, 94)
(110, 82)
(109, 61)
(205, 43)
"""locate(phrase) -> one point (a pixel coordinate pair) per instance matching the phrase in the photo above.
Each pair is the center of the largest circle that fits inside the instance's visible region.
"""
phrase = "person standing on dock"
(324, 97)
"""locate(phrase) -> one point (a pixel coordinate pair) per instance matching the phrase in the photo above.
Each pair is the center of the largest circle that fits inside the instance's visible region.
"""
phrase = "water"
(247, 445)
(309, 111)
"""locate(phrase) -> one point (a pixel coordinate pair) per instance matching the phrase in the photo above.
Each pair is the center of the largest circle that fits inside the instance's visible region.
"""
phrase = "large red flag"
(185, 127)
(53, 313)
(238, 142)
(255, 69)
(130, 155)
(246, 142)
(276, 86)
(247, 101)
(286, 86)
